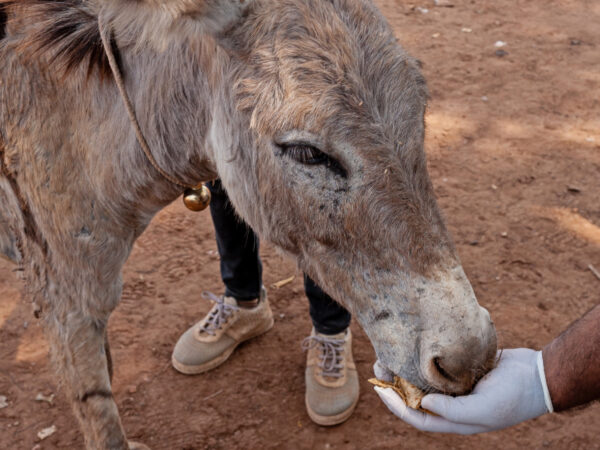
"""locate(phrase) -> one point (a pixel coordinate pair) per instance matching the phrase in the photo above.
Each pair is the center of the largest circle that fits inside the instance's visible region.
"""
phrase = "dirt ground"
(513, 143)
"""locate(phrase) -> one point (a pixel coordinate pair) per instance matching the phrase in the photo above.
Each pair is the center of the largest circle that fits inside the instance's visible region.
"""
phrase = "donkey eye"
(305, 154)
(309, 155)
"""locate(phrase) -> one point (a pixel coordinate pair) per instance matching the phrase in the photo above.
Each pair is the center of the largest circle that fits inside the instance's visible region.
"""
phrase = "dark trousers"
(241, 269)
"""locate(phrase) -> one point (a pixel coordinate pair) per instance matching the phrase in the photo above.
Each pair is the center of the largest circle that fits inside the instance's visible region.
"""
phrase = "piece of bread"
(410, 394)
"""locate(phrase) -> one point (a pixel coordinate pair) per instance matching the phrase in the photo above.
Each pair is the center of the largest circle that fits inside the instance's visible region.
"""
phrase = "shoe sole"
(214, 363)
(328, 421)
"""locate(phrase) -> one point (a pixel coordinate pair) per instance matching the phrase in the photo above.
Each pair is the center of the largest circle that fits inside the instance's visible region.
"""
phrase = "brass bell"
(196, 199)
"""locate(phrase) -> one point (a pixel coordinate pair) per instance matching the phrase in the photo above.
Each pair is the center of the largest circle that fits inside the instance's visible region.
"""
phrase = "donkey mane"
(65, 32)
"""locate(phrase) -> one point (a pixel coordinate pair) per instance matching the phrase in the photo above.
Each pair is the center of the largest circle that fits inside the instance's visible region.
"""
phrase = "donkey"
(309, 112)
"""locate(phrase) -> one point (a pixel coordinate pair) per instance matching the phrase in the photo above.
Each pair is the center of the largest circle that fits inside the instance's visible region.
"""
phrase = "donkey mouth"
(384, 374)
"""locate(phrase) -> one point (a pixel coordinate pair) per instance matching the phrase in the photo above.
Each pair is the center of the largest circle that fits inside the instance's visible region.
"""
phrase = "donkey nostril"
(440, 368)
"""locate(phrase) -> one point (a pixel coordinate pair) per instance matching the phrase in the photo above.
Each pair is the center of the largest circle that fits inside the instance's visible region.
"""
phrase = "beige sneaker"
(211, 341)
(331, 378)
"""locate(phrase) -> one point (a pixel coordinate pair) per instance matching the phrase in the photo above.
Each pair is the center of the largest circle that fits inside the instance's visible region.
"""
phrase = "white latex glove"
(513, 392)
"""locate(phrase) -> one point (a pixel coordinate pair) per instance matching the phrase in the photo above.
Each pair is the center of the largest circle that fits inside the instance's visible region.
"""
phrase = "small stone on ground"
(46, 432)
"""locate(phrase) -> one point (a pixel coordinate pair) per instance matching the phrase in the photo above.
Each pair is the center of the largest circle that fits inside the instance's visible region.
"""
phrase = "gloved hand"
(513, 392)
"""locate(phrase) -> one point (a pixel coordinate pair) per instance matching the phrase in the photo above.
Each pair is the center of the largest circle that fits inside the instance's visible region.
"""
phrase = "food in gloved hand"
(410, 394)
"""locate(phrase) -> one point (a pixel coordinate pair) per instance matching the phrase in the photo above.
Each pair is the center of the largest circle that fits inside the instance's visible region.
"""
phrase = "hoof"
(137, 446)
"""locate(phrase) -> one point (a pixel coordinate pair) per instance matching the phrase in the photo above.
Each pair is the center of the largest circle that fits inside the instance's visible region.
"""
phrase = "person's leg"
(238, 245)
(331, 378)
(328, 316)
(243, 312)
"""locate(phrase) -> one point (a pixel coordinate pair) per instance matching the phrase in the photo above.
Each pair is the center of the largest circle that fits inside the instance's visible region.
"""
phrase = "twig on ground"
(212, 395)
(282, 283)
(594, 271)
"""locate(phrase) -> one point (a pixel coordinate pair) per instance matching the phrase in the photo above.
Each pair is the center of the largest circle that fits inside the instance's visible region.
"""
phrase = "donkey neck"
(172, 100)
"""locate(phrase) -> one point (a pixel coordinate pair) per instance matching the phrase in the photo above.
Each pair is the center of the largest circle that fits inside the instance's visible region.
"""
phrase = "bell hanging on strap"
(196, 199)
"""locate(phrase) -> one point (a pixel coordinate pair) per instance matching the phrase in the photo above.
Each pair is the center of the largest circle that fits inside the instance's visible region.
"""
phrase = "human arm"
(572, 363)
(514, 391)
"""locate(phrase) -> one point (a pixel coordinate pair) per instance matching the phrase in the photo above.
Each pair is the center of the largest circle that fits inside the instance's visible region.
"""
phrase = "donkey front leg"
(75, 308)
(78, 348)
(77, 343)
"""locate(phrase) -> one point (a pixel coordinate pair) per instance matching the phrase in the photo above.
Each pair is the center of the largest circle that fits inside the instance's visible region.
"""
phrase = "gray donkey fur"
(309, 112)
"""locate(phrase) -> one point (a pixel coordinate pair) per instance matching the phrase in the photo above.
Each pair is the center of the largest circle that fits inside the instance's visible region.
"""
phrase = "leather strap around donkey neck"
(195, 198)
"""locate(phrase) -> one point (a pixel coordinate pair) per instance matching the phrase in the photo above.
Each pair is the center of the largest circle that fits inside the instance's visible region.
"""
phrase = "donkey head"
(321, 150)
(317, 135)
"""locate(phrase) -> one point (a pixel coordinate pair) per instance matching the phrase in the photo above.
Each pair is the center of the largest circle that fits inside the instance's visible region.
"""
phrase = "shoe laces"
(331, 361)
(219, 315)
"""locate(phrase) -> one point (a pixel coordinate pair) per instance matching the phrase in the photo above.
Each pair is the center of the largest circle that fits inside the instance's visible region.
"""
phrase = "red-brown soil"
(514, 152)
